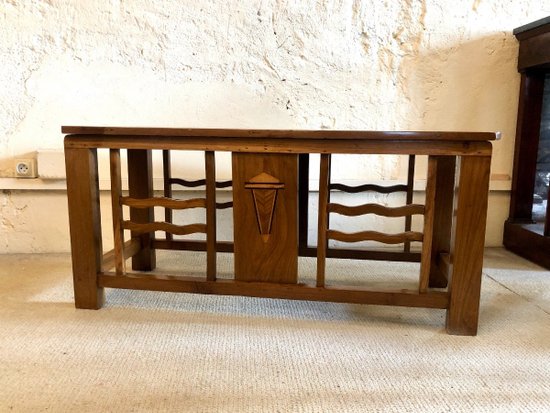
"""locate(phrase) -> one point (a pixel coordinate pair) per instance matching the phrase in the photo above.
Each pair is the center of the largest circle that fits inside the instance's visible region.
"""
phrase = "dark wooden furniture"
(267, 232)
(525, 234)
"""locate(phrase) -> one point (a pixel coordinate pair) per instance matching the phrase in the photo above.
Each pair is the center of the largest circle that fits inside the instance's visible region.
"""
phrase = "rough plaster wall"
(446, 65)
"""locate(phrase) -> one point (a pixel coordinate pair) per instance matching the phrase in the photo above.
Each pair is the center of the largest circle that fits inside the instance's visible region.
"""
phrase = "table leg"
(140, 185)
(467, 245)
(85, 226)
(443, 219)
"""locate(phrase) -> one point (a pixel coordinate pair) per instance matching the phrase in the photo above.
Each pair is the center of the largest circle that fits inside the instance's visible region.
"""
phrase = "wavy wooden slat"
(163, 202)
(199, 182)
(351, 211)
(224, 205)
(369, 187)
(375, 236)
(224, 184)
(166, 227)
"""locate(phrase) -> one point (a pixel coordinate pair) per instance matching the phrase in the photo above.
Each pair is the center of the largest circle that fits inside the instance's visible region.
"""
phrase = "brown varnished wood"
(426, 260)
(260, 257)
(374, 236)
(255, 155)
(131, 247)
(377, 209)
(521, 235)
(190, 245)
(227, 246)
(116, 195)
(303, 202)
(526, 146)
(467, 245)
(285, 145)
(280, 133)
(210, 173)
(197, 183)
(407, 298)
(164, 226)
(224, 205)
(140, 185)
(363, 254)
(163, 202)
(443, 218)
(322, 219)
(167, 187)
(528, 241)
(409, 198)
(534, 52)
(444, 264)
(85, 226)
(368, 187)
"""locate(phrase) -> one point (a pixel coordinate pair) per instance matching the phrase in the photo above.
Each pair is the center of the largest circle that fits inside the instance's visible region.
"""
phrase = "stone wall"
(348, 64)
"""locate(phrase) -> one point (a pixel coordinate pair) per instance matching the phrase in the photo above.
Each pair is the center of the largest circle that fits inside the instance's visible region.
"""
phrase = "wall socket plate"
(26, 168)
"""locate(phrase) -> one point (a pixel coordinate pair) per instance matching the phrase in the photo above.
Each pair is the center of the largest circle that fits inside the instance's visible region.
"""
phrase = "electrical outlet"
(25, 168)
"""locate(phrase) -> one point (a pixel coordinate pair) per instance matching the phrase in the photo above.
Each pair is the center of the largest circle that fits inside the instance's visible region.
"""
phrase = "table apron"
(295, 146)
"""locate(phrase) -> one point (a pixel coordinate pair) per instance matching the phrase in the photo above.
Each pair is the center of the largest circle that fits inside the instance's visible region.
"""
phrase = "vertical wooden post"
(426, 256)
(303, 202)
(443, 218)
(322, 219)
(85, 225)
(116, 193)
(167, 176)
(409, 199)
(467, 245)
(140, 185)
(210, 167)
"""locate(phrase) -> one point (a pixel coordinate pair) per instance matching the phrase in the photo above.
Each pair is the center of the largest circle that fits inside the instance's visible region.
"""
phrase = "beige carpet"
(149, 351)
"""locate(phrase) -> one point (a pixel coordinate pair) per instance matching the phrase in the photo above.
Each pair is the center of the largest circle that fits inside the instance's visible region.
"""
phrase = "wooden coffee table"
(266, 188)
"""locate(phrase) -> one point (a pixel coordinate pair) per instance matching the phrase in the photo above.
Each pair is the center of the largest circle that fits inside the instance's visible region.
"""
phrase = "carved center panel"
(264, 188)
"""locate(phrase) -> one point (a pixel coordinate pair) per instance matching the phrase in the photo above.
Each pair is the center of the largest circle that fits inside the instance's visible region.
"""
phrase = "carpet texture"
(148, 351)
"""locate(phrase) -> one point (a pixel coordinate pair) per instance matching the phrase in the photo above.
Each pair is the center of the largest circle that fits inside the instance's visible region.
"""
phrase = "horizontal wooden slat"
(164, 226)
(288, 145)
(131, 247)
(224, 205)
(199, 182)
(163, 202)
(190, 245)
(369, 187)
(407, 298)
(375, 236)
(280, 133)
(343, 253)
(402, 211)
(363, 254)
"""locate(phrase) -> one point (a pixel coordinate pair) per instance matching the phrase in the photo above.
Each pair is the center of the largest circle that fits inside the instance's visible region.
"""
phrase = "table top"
(323, 134)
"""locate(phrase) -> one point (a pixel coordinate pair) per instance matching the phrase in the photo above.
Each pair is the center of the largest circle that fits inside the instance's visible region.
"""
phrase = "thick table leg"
(85, 226)
(443, 218)
(140, 185)
(467, 245)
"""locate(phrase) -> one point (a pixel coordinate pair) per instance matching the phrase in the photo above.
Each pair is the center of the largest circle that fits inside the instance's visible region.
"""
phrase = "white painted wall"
(348, 64)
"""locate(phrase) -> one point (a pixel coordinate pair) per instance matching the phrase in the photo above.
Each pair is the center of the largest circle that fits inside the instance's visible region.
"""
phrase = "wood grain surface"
(274, 259)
